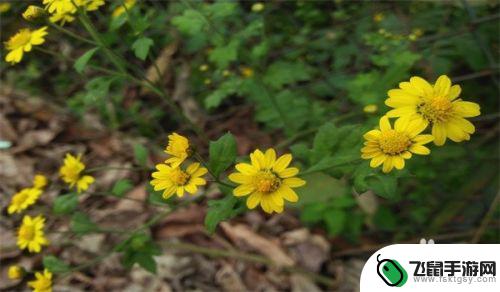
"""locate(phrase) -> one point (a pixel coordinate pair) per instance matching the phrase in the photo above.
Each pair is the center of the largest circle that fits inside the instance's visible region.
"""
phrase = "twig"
(486, 220)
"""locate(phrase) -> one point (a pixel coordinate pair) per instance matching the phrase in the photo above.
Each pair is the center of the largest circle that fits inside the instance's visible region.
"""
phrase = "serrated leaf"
(121, 187)
(55, 265)
(384, 185)
(65, 204)
(221, 210)
(81, 62)
(141, 47)
(81, 224)
(140, 154)
(222, 153)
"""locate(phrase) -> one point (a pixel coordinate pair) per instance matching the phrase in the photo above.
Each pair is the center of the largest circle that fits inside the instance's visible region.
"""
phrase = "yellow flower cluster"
(127, 4)
(27, 196)
(42, 282)
(63, 11)
(419, 105)
(171, 177)
(71, 173)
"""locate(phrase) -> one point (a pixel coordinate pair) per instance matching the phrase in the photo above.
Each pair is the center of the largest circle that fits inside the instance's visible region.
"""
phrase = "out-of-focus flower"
(39, 181)
(378, 17)
(370, 109)
(267, 181)
(31, 235)
(173, 180)
(23, 41)
(42, 282)
(128, 4)
(33, 12)
(15, 272)
(258, 7)
(4, 7)
(71, 173)
(391, 147)
(177, 148)
(247, 72)
(203, 68)
(23, 199)
(436, 106)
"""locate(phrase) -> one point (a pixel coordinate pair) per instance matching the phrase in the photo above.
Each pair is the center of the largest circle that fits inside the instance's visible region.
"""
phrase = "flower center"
(436, 110)
(21, 39)
(392, 142)
(266, 182)
(27, 232)
(179, 177)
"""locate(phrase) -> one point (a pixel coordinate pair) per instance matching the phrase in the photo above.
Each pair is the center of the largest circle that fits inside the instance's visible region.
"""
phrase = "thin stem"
(71, 34)
(216, 179)
(486, 220)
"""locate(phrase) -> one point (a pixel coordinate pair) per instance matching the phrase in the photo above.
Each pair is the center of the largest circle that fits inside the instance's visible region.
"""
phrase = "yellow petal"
(419, 149)
(377, 161)
(455, 91)
(253, 200)
(270, 158)
(421, 85)
(294, 182)
(388, 164)
(246, 168)
(289, 194)
(466, 109)
(282, 162)
(399, 162)
(402, 111)
(402, 124)
(288, 172)
(439, 133)
(192, 168)
(442, 86)
(240, 178)
(407, 154)
(243, 190)
(384, 124)
(416, 126)
(372, 135)
(423, 139)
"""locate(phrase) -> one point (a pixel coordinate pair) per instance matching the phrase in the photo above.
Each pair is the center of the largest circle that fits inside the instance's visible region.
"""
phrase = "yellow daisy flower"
(90, 5)
(178, 148)
(268, 181)
(175, 180)
(15, 272)
(70, 173)
(33, 12)
(23, 41)
(435, 105)
(391, 147)
(23, 199)
(62, 17)
(30, 235)
(43, 282)
(59, 6)
(39, 181)
(120, 9)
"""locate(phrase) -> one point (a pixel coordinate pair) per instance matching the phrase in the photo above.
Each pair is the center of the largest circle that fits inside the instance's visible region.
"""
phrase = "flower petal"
(243, 190)
(282, 162)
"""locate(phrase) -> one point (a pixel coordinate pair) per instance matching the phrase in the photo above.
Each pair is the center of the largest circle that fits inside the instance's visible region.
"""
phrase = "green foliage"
(65, 204)
(81, 62)
(55, 265)
(121, 187)
(140, 249)
(141, 47)
(81, 224)
(190, 22)
(221, 210)
(222, 154)
(140, 154)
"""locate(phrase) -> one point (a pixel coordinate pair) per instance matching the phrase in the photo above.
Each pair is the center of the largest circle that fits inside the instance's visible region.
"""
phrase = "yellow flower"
(120, 9)
(70, 173)
(370, 109)
(207, 81)
(43, 282)
(178, 148)
(378, 17)
(435, 105)
(59, 6)
(175, 180)
(33, 12)
(23, 41)
(258, 7)
(39, 181)
(30, 235)
(4, 7)
(90, 5)
(15, 272)
(247, 72)
(391, 147)
(226, 73)
(62, 17)
(268, 181)
(23, 199)
(203, 68)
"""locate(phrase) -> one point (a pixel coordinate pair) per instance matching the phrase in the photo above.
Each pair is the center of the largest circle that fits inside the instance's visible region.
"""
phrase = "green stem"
(71, 34)
(216, 179)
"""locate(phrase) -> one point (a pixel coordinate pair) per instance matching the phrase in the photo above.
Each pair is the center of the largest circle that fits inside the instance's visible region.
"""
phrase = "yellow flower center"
(436, 110)
(27, 232)
(20, 39)
(392, 142)
(266, 182)
(179, 177)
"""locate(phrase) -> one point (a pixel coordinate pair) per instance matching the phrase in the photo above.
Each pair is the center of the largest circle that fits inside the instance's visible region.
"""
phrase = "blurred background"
(306, 77)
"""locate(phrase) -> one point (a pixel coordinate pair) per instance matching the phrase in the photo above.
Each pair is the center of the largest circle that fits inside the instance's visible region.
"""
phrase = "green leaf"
(225, 89)
(335, 220)
(121, 187)
(55, 265)
(281, 73)
(222, 153)
(141, 154)
(140, 249)
(117, 22)
(190, 22)
(141, 47)
(313, 213)
(65, 204)
(224, 55)
(320, 188)
(221, 210)
(81, 224)
(384, 185)
(81, 62)
(146, 261)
